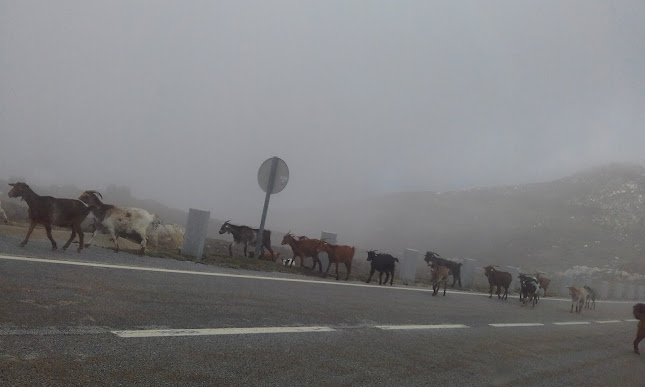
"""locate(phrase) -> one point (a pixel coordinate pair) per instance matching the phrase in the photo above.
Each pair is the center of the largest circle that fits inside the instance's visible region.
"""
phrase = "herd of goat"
(139, 225)
(130, 223)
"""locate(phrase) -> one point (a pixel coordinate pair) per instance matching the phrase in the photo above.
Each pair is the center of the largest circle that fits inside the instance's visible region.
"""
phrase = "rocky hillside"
(594, 218)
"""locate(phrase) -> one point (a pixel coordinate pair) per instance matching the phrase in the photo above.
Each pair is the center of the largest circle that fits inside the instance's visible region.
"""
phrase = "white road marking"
(607, 321)
(437, 326)
(508, 325)
(631, 320)
(255, 277)
(218, 331)
(572, 323)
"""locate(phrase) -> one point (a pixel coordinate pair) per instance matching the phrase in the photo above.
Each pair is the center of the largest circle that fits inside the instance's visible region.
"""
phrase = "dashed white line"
(509, 325)
(607, 321)
(217, 331)
(572, 323)
(437, 326)
(631, 320)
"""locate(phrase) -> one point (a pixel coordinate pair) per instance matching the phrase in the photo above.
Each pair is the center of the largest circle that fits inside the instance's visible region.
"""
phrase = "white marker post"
(195, 234)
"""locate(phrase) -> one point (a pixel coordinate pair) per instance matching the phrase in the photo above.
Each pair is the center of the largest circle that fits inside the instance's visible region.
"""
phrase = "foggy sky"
(182, 101)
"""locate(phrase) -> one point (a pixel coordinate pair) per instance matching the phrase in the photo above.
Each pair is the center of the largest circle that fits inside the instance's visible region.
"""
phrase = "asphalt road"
(102, 318)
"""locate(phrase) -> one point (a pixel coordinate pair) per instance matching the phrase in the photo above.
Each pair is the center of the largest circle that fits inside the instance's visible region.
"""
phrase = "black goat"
(383, 263)
(529, 288)
(454, 267)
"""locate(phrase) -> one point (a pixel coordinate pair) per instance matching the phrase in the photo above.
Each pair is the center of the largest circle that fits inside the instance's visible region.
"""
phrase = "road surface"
(102, 318)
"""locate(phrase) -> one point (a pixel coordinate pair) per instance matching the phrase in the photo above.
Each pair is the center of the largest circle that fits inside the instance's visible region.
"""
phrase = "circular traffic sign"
(281, 177)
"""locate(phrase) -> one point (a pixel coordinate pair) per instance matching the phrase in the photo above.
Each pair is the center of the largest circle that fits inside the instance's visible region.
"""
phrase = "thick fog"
(183, 100)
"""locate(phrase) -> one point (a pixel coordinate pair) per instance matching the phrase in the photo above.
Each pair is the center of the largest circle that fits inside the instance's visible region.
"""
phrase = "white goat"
(578, 298)
(126, 222)
(165, 235)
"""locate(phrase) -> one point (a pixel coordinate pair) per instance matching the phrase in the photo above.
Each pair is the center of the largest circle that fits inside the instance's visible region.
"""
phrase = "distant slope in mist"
(585, 219)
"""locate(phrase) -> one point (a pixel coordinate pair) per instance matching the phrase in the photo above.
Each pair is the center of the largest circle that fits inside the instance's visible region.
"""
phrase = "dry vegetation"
(216, 254)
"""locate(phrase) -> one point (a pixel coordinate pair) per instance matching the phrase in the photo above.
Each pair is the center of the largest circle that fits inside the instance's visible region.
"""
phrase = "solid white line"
(438, 326)
(572, 323)
(608, 321)
(256, 277)
(217, 331)
(508, 325)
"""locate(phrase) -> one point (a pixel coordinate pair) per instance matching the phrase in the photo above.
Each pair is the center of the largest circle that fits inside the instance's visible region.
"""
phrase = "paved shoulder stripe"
(218, 331)
(438, 326)
(508, 325)
(572, 323)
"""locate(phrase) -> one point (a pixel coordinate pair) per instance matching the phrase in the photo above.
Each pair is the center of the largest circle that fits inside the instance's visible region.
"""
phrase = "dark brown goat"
(246, 235)
(303, 247)
(50, 211)
(499, 279)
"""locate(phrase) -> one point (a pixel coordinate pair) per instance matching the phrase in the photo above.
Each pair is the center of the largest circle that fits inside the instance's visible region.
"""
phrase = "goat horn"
(12, 184)
(96, 192)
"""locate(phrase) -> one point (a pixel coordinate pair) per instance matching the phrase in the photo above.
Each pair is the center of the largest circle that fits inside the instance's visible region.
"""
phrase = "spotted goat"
(119, 222)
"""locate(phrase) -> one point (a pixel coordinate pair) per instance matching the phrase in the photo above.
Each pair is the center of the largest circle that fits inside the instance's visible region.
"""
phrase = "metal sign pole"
(259, 242)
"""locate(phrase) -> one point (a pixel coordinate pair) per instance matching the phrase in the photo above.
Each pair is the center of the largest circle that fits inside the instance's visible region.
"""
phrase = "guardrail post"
(515, 281)
(640, 296)
(195, 234)
(468, 271)
(408, 271)
(603, 290)
(619, 288)
(630, 292)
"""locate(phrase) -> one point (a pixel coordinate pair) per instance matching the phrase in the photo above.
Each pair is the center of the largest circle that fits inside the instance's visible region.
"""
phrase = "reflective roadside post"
(195, 234)
(408, 271)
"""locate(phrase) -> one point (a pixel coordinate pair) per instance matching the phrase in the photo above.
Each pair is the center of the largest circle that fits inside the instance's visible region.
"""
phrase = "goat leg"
(91, 238)
(71, 238)
(370, 277)
(31, 229)
(328, 266)
(81, 236)
(48, 229)
(348, 266)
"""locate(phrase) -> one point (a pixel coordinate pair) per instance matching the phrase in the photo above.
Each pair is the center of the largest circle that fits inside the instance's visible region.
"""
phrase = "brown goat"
(50, 211)
(439, 274)
(337, 254)
(544, 283)
(303, 247)
(501, 279)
